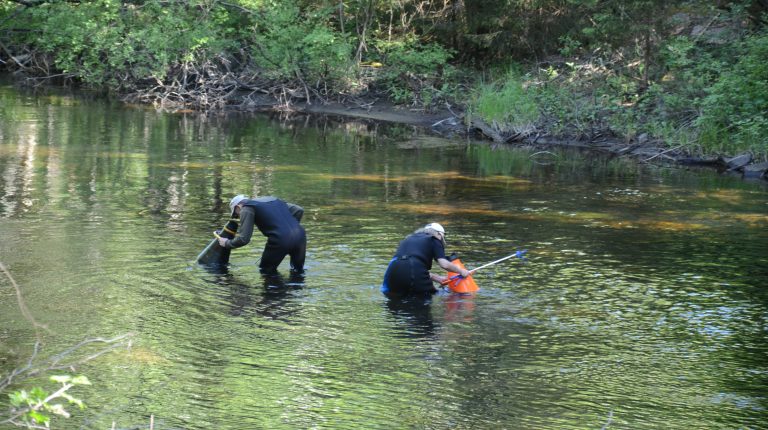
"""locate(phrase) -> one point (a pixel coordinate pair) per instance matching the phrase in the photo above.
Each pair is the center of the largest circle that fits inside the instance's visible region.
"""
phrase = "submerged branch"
(55, 362)
(62, 360)
(8, 380)
(22, 305)
(662, 153)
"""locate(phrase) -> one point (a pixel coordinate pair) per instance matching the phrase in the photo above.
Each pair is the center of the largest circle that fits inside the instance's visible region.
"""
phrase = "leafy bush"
(414, 73)
(288, 44)
(508, 103)
(108, 43)
(735, 111)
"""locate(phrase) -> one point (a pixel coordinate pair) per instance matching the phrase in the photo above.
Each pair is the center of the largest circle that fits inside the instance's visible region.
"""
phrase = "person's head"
(235, 205)
(435, 230)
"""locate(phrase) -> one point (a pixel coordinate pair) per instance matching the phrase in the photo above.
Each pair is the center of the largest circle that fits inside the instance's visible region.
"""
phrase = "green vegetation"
(35, 407)
(734, 110)
(507, 105)
(681, 73)
(416, 74)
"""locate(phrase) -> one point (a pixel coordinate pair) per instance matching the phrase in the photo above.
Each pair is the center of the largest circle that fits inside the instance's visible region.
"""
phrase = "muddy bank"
(453, 122)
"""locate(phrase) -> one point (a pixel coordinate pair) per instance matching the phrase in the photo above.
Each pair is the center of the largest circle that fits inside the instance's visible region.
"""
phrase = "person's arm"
(434, 277)
(447, 265)
(244, 232)
(296, 210)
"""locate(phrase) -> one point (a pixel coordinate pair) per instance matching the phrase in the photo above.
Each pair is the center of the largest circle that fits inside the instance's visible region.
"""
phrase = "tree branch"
(22, 306)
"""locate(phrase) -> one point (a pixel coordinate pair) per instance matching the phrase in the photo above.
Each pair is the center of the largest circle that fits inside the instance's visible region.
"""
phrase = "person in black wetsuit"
(408, 274)
(279, 222)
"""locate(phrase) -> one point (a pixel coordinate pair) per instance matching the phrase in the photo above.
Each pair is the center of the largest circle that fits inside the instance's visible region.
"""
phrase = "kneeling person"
(408, 274)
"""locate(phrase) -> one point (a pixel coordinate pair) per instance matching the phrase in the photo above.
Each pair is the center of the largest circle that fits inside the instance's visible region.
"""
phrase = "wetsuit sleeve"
(244, 233)
(296, 210)
(437, 249)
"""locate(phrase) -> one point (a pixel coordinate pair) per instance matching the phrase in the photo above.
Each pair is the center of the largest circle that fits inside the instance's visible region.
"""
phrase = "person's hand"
(440, 279)
(464, 273)
(223, 242)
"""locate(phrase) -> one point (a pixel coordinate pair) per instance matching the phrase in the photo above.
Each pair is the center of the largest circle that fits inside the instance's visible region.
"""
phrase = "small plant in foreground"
(35, 407)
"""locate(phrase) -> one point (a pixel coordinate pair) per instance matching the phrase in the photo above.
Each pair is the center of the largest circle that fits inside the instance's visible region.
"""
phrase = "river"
(642, 303)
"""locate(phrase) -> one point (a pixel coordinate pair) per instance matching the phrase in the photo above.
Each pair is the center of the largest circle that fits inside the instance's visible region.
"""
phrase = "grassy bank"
(682, 74)
(702, 104)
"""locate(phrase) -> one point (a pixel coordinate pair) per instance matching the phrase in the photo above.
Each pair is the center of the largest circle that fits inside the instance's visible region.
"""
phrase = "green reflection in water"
(642, 302)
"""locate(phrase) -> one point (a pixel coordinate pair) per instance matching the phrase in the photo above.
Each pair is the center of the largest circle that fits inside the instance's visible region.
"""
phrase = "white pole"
(493, 262)
(485, 265)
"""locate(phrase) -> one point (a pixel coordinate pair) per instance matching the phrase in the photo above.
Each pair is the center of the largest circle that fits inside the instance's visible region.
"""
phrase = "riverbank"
(454, 122)
(675, 86)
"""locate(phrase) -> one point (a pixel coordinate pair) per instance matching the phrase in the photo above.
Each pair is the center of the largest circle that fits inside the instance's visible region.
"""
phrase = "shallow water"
(642, 303)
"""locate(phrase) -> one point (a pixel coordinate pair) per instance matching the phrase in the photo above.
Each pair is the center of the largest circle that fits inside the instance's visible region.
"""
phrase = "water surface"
(642, 304)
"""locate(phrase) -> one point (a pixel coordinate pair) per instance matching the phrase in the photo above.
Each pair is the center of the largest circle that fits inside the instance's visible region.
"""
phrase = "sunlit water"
(642, 304)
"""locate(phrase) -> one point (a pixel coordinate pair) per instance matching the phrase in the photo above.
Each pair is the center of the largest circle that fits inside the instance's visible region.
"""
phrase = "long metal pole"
(516, 254)
(493, 262)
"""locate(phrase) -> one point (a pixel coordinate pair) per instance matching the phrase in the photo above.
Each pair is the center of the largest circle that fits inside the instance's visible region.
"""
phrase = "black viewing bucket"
(214, 254)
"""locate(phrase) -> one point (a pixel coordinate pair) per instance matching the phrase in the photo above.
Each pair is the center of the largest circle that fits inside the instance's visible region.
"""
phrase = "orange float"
(457, 284)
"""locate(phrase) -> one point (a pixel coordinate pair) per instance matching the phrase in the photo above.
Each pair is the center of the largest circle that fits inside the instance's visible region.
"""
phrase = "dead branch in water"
(64, 359)
(502, 134)
(20, 302)
(213, 86)
(67, 359)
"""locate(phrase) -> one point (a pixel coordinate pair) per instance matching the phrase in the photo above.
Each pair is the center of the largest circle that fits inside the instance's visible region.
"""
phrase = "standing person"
(408, 274)
(279, 222)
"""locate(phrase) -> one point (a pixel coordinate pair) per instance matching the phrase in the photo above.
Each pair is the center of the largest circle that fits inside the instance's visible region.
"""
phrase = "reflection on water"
(642, 304)
(412, 317)
(273, 300)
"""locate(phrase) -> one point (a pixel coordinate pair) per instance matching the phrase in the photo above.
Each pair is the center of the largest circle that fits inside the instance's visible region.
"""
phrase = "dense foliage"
(736, 106)
(685, 73)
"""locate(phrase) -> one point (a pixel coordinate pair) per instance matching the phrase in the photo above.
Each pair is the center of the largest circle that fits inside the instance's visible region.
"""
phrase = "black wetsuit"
(279, 222)
(408, 272)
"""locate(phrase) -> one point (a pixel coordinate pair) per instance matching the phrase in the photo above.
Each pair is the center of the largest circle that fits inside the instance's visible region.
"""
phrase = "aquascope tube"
(214, 254)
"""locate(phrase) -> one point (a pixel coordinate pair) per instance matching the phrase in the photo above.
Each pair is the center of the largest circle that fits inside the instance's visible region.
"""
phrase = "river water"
(642, 304)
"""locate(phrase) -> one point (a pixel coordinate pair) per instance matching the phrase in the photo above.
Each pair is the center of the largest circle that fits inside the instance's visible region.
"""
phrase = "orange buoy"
(459, 284)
